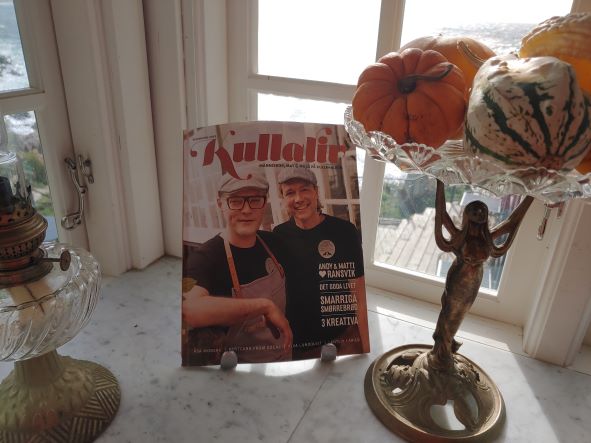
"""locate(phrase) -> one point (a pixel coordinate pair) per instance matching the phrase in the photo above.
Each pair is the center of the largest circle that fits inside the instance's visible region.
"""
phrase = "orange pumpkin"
(414, 96)
(468, 60)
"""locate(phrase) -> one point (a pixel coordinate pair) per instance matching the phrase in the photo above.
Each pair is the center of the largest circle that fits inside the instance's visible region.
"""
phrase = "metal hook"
(547, 210)
(561, 207)
(84, 166)
(544, 222)
(70, 221)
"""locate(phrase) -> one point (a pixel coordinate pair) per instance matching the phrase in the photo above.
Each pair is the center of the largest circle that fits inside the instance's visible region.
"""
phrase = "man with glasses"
(234, 285)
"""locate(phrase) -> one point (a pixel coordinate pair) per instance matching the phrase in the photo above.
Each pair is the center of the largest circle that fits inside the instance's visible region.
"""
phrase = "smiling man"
(326, 288)
(234, 285)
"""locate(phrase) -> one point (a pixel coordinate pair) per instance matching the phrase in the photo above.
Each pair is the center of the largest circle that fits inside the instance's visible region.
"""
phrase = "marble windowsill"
(135, 332)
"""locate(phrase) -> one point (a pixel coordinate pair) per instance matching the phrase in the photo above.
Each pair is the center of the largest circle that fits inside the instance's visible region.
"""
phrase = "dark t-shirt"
(208, 265)
(320, 261)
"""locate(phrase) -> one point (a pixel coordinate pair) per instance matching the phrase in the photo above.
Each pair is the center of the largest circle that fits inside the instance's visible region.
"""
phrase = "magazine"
(272, 257)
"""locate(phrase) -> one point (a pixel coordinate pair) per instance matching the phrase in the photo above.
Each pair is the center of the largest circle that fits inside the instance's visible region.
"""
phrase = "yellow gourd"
(567, 38)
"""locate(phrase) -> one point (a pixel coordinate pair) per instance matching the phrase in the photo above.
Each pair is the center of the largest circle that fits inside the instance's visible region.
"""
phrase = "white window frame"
(200, 62)
(245, 83)
(45, 96)
(102, 50)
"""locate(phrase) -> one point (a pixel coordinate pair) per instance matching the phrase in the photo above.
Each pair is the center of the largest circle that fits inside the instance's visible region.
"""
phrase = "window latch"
(77, 168)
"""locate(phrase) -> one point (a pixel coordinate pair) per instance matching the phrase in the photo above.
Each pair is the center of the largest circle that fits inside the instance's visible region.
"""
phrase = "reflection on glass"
(407, 222)
(360, 153)
(315, 40)
(13, 71)
(23, 138)
(283, 108)
(492, 25)
(352, 170)
(338, 187)
(340, 211)
(336, 184)
(213, 214)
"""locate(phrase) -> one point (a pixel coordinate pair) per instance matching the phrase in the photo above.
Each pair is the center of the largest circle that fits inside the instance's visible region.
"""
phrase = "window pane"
(494, 25)
(405, 236)
(13, 72)
(23, 138)
(360, 153)
(328, 40)
(282, 108)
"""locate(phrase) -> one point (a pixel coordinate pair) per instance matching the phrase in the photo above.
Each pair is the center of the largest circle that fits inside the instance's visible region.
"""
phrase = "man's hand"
(192, 306)
(278, 323)
(201, 310)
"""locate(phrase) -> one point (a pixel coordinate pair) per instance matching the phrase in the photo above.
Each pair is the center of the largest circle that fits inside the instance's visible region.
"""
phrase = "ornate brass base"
(401, 387)
(55, 398)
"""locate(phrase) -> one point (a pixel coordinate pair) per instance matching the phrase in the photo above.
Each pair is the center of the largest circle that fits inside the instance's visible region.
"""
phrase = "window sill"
(496, 334)
(135, 333)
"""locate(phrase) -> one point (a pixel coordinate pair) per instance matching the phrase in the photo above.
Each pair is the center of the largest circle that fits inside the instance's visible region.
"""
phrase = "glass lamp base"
(403, 389)
(56, 398)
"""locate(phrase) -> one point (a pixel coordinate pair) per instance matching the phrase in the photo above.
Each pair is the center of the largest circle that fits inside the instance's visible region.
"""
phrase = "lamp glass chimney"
(13, 184)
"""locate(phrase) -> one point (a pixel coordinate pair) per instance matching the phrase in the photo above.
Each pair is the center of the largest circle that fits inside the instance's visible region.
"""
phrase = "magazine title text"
(271, 147)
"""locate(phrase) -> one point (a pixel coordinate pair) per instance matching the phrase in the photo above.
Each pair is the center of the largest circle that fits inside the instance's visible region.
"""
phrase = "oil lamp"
(47, 294)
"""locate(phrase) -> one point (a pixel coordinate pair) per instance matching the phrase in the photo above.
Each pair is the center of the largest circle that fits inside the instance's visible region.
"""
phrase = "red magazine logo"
(271, 147)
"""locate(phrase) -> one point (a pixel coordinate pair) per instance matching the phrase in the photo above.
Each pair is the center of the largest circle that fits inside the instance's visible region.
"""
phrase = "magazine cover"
(272, 257)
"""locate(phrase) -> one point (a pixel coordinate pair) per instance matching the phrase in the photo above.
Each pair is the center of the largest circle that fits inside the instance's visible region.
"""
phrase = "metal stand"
(403, 385)
(55, 398)
(229, 360)
(328, 352)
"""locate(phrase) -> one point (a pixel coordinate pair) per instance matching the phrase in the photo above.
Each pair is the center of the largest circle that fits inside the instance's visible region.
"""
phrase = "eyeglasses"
(254, 202)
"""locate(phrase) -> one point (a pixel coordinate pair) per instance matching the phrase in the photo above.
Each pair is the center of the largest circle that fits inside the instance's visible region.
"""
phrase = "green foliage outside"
(35, 172)
(34, 167)
(403, 198)
(27, 146)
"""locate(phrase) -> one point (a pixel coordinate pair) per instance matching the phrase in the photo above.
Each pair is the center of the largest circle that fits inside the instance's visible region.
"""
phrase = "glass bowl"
(40, 316)
(451, 164)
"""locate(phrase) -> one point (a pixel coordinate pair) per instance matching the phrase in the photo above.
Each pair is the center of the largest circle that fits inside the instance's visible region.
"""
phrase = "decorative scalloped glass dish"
(451, 164)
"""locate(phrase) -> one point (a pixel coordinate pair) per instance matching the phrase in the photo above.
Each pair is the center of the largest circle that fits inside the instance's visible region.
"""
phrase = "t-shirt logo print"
(326, 248)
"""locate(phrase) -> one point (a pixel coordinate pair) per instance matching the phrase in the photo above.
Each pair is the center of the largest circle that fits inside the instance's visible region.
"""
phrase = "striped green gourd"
(528, 112)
